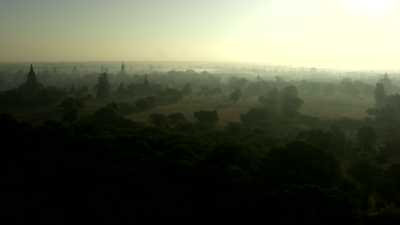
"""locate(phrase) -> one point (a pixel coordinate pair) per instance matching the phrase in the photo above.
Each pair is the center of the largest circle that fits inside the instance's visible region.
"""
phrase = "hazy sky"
(355, 34)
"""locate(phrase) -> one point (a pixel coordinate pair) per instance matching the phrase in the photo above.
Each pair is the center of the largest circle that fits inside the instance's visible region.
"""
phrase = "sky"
(342, 34)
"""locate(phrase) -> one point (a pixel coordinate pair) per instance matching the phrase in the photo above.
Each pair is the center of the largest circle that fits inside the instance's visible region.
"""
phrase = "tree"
(70, 109)
(170, 96)
(103, 86)
(365, 173)
(146, 80)
(256, 116)
(207, 117)
(299, 163)
(146, 103)
(291, 103)
(380, 95)
(108, 113)
(367, 138)
(235, 95)
(177, 118)
(107, 119)
(187, 89)
(237, 82)
(159, 120)
(271, 100)
(388, 111)
(387, 82)
(121, 89)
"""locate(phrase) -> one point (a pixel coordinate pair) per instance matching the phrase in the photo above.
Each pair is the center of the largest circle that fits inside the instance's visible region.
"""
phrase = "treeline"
(105, 169)
(275, 165)
(172, 86)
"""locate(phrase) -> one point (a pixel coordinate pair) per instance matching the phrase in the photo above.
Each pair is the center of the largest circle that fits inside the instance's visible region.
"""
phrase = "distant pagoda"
(32, 76)
(123, 69)
(122, 75)
(31, 83)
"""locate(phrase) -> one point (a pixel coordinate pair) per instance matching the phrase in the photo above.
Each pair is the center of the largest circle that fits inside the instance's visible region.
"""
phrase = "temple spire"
(31, 83)
(31, 70)
(32, 76)
(123, 70)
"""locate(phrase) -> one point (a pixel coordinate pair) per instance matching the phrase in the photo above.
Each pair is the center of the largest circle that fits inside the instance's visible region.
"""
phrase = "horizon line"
(249, 63)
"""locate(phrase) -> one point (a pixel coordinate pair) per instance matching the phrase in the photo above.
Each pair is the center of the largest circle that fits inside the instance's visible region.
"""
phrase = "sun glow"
(370, 8)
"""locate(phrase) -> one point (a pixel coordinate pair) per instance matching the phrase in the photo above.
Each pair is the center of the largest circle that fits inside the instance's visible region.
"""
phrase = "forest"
(142, 143)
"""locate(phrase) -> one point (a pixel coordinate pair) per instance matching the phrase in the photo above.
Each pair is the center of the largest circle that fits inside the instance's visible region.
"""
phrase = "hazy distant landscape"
(313, 132)
(329, 106)
(200, 112)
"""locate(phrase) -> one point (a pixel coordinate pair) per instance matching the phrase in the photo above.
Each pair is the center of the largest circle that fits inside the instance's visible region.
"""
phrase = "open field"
(336, 107)
(322, 107)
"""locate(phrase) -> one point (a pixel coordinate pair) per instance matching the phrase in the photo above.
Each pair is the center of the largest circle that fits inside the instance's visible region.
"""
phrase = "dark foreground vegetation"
(274, 166)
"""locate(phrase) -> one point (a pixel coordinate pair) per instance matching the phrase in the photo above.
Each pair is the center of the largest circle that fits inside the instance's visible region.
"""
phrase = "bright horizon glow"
(341, 34)
(370, 8)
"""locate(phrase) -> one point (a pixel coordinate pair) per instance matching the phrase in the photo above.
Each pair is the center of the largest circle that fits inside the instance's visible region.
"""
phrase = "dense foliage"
(275, 164)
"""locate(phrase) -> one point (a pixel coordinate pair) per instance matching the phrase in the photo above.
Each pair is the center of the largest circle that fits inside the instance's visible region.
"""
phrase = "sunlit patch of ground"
(228, 112)
(323, 107)
(336, 107)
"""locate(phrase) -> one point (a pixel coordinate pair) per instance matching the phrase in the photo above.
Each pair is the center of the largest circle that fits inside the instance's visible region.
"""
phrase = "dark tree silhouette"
(187, 89)
(103, 87)
(177, 118)
(380, 95)
(121, 89)
(367, 138)
(256, 116)
(146, 103)
(159, 120)
(235, 95)
(70, 109)
(272, 101)
(291, 103)
(207, 117)
(300, 163)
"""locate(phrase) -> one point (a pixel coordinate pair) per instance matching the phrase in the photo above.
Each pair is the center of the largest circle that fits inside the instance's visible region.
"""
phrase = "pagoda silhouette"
(31, 84)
